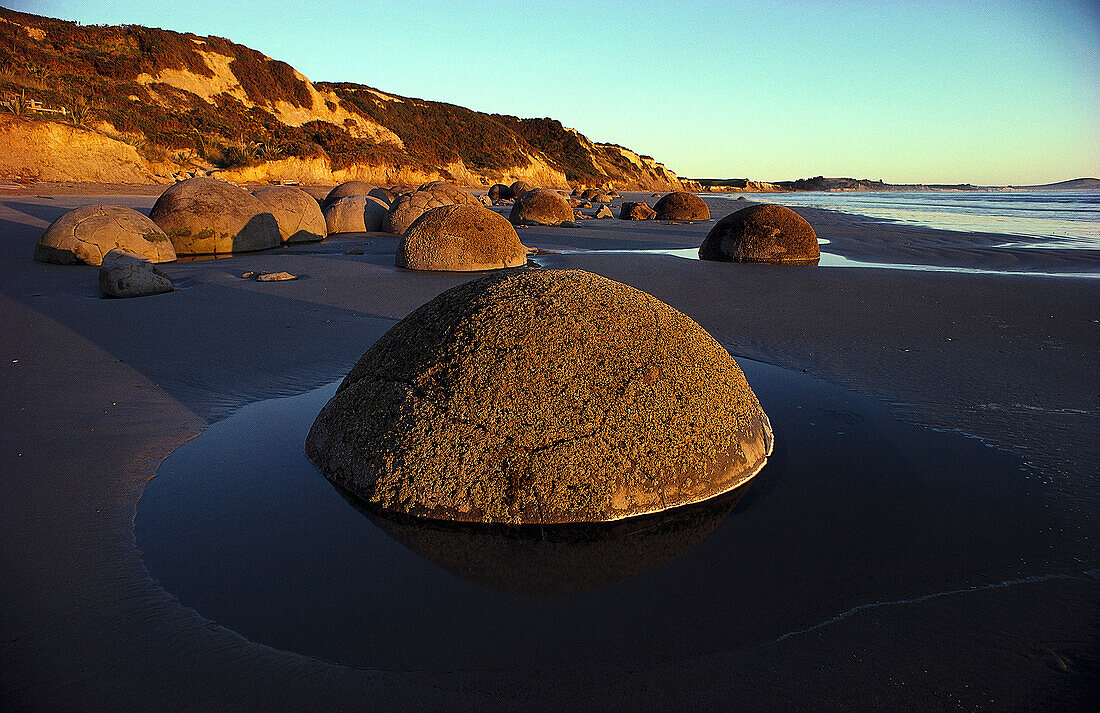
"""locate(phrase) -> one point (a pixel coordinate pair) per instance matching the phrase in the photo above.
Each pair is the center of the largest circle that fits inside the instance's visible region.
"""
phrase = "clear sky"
(944, 92)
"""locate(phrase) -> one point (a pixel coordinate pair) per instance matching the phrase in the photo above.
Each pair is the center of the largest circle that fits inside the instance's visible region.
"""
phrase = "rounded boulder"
(356, 214)
(528, 398)
(518, 188)
(681, 206)
(454, 194)
(205, 216)
(410, 206)
(636, 211)
(499, 192)
(383, 194)
(297, 213)
(541, 207)
(345, 189)
(762, 233)
(460, 238)
(87, 234)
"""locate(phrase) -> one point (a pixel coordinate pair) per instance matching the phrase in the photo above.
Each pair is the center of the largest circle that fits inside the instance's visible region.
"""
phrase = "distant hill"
(144, 104)
(1075, 184)
(851, 185)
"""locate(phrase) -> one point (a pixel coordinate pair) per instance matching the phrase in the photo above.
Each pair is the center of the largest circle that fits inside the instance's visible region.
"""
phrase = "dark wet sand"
(97, 392)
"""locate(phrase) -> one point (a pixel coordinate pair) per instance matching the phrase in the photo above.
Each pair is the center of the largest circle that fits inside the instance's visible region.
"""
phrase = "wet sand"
(97, 392)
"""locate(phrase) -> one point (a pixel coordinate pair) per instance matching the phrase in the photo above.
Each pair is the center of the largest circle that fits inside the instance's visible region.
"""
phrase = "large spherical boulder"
(636, 211)
(518, 188)
(762, 233)
(124, 274)
(499, 192)
(681, 206)
(85, 235)
(460, 238)
(454, 194)
(541, 207)
(541, 396)
(356, 214)
(297, 213)
(348, 188)
(205, 216)
(410, 206)
(590, 193)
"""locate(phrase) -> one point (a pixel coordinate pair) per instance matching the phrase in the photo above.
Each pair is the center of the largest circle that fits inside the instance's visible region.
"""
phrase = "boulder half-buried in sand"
(205, 216)
(124, 274)
(460, 238)
(636, 211)
(541, 207)
(681, 205)
(539, 396)
(762, 233)
(87, 234)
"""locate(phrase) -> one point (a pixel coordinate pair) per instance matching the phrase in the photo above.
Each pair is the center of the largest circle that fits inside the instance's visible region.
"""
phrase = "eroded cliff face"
(158, 104)
(50, 151)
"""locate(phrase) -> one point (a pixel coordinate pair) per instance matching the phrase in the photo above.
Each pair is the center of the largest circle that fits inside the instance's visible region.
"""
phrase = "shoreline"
(98, 392)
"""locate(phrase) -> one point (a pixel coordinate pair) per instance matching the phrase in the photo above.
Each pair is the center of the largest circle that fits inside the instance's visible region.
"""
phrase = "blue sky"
(981, 92)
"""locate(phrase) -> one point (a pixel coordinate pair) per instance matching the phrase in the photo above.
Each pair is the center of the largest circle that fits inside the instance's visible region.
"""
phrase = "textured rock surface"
(356, 214)
(460, 238)
(124, 274)
(87, 234)
(204, 216)
(681, 206)
(636, 211)
(518, 188)
(541, 207)
(499, 191)
(762, 233)
(454, 194)
(297, 213)
(604, 212)
(407, 208)
(348, 188)
(541, 397)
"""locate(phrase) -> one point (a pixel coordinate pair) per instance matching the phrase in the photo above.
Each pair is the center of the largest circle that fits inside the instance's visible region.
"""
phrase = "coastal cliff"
(158, 104)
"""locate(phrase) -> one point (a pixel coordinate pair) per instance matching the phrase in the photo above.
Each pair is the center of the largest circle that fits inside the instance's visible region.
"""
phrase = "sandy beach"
(98, 392)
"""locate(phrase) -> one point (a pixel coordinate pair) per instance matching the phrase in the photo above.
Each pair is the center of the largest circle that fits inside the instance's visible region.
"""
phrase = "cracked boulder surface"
(541, 206)
(86, 234)
(539, 397)
(297, 213)
(205, 216)
(762, 233)
(681, 206)
(452, 193)
(460, 238)
(410, 206)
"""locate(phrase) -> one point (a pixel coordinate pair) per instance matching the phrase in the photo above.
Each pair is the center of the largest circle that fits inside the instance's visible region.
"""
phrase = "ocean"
(1052, 219)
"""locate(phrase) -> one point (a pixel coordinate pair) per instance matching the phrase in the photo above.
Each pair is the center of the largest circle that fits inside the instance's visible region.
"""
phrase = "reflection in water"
(557, 559)
(855, 510)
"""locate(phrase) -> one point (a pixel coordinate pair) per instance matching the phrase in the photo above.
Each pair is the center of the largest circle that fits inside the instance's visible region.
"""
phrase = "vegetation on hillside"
(106, 78)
